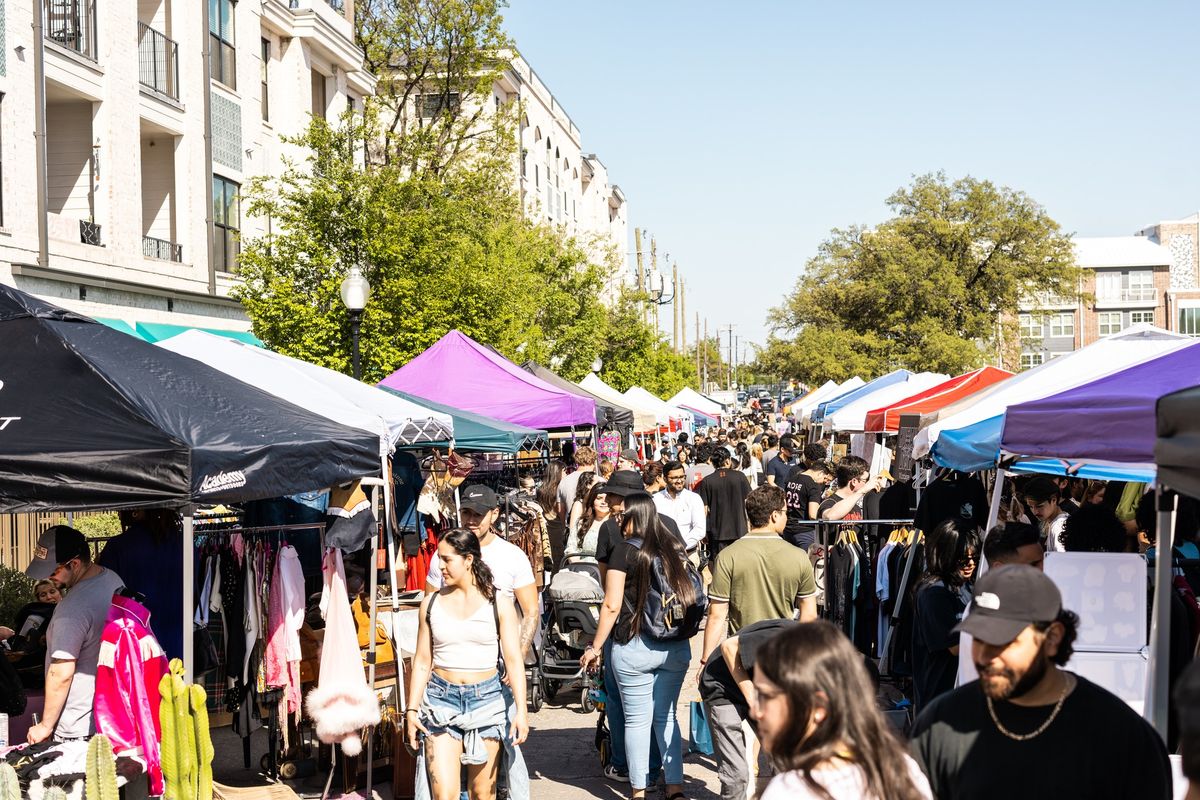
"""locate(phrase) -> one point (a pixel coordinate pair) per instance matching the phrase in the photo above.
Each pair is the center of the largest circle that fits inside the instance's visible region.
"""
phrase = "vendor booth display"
(460, 372)
(484, 434)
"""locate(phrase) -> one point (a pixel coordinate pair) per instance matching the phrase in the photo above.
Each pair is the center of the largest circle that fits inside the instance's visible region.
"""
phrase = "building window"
(266, 59)
(1110, 322)
(434, 105)
(1136, 317)
(1062, 325)
(226, 221)
(1031, 360)
(222, 61)
(1108, 286)
(320, 103)
(1, 164)
(1030, 327)
(1189, 321)
(1141, 286)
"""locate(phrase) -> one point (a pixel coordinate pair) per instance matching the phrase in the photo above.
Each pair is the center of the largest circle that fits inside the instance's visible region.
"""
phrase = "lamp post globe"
(355, 291)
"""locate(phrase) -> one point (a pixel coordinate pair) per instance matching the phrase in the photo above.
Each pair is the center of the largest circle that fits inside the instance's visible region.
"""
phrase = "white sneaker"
(614, 774)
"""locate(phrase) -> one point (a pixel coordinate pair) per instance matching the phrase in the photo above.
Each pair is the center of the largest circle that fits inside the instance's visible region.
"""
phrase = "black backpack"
(665, 618)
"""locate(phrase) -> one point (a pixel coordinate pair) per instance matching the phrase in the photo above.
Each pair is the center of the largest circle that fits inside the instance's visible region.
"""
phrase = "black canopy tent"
(94, 418)
(607, 414)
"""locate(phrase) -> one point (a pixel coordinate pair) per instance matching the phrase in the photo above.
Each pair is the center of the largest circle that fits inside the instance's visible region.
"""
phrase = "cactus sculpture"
(101, 770)
(187, 750)
(54, 793)
(10, 787)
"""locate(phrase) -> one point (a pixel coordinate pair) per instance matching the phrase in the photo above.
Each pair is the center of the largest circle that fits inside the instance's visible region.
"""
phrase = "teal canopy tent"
(477, 432)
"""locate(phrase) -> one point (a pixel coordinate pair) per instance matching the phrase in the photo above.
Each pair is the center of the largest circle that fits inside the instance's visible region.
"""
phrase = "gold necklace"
(1024, 737)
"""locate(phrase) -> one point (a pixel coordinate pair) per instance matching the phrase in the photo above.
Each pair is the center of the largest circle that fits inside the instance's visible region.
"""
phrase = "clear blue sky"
(742, 132)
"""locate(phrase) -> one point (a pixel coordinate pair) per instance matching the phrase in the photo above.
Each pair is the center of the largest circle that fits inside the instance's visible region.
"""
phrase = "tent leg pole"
(369, 745)
(993, 510)
(189, 594)
(1160, 617)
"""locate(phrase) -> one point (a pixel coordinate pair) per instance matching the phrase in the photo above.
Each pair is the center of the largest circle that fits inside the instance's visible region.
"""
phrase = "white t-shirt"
(843, 781)
(510, 568)
(1054, 532)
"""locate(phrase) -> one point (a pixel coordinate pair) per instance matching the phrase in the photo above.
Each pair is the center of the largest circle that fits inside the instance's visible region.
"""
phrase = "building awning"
(158, 331)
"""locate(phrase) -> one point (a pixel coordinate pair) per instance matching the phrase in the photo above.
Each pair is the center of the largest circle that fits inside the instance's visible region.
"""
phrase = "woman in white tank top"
(456, 699)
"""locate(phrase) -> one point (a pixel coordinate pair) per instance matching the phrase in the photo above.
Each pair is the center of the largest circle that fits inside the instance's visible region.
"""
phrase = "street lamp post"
(355, 291)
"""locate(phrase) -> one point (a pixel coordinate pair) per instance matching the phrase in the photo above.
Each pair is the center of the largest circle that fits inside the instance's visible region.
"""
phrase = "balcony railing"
(158, 61)
(1135, 296)
(1044, 301)
(161, 248)
(72, 23)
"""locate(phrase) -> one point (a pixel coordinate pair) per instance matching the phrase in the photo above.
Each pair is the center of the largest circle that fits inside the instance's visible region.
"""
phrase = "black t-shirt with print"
(945, 499)
(800, 490)
(1097, 747)
(935, 668)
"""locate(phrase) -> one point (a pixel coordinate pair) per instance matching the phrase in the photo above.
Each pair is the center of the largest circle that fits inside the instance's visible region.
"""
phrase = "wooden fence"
(19, 534)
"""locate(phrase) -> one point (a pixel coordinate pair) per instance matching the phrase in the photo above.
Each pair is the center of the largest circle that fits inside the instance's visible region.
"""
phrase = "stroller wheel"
(550, 687)
(589, 702)
(536, 698)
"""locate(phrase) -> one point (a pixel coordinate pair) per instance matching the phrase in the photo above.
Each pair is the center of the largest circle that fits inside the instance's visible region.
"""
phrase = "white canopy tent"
(827, 392)
(664, 412)
(853, 417)
(687, 397)
(1132, 346)
(645, 418)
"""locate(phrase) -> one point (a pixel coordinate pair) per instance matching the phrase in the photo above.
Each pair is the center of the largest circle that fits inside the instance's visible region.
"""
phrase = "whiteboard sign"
(1108, 592)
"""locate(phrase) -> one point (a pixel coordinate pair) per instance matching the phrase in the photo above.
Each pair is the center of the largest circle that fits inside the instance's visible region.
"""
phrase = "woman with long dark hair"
(817, 717)
(583, 538)
(952, 551)
(579, 506)
(459, 710)
(547, 498)
(649, 671)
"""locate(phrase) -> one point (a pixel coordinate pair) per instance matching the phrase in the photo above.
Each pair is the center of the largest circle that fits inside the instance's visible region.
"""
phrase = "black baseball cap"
(629, 454)
(625, 482)
(1007, 600)
(478, 498)
(57, 545)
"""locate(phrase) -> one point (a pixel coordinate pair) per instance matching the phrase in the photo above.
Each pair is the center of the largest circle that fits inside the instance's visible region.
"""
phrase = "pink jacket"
(130, 667)
(285, 616)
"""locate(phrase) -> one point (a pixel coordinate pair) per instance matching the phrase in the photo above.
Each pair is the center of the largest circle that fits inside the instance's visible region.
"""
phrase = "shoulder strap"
(429, 608)
(499, 651)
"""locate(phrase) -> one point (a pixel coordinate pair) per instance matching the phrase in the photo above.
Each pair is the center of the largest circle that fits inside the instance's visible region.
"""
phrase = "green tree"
(936, 287)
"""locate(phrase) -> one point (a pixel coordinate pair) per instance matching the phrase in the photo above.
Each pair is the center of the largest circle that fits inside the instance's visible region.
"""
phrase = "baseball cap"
(629, 454)
(57, 545)
(1007, 600)
(477, 498)
(625, 482)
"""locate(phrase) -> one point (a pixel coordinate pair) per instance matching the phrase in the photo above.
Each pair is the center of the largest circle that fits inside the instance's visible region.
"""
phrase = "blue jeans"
(650, 676)
(614, 713)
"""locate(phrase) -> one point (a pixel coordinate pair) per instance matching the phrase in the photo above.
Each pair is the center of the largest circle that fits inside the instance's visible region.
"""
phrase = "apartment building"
(559, 182)
(148, 143)
(1150, 277)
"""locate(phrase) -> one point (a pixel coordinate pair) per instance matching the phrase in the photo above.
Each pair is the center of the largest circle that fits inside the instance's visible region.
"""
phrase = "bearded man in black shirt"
(1027, 728)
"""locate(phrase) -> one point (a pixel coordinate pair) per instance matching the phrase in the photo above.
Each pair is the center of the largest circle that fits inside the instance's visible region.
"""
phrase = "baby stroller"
(572, 617)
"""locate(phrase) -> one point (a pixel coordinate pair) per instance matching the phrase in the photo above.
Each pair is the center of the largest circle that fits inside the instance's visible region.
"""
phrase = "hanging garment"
(350, 519)
(285, 616)
(233, 614)
(342, 704)
(131, 664)
(253, 613)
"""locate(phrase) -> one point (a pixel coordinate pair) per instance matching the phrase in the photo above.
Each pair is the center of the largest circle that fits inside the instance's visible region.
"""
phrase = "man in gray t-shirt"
(73, 638)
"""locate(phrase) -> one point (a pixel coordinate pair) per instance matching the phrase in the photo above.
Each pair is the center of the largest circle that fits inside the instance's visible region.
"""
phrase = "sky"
(743, 131)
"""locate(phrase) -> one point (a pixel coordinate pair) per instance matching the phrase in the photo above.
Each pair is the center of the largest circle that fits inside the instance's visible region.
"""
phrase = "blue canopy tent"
(846, 398)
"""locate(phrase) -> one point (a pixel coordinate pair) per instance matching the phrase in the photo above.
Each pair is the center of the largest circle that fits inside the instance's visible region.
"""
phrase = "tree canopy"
(936, 287)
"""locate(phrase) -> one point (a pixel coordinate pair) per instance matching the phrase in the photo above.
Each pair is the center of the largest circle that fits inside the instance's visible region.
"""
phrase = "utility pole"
(641, 274)
(683, 320)
(705, 354)
(674, 309)
(729, 357)
(652, 276)
(737, 352)
(698, 374)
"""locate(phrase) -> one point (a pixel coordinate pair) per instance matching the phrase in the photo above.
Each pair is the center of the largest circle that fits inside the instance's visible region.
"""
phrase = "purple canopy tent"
(1104, 429)
(462, 373)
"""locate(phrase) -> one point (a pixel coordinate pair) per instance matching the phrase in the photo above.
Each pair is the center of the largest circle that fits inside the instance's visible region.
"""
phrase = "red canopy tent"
(887, 419)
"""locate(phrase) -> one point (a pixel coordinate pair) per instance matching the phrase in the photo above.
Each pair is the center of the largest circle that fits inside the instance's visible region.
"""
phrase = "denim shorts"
(453, 699)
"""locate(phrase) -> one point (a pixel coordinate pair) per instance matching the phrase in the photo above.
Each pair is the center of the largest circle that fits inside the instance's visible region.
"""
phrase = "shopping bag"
(700, 738)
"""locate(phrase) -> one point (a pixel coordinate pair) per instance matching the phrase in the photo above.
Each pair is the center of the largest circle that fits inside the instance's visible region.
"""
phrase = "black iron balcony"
(72, 24)
(161, 248)
(158, 61)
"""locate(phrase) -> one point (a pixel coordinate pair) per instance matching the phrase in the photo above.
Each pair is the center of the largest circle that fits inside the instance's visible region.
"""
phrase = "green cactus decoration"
(187, 750)
(101, 770)
(54, 793)
(204, 747)
(10, 787)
